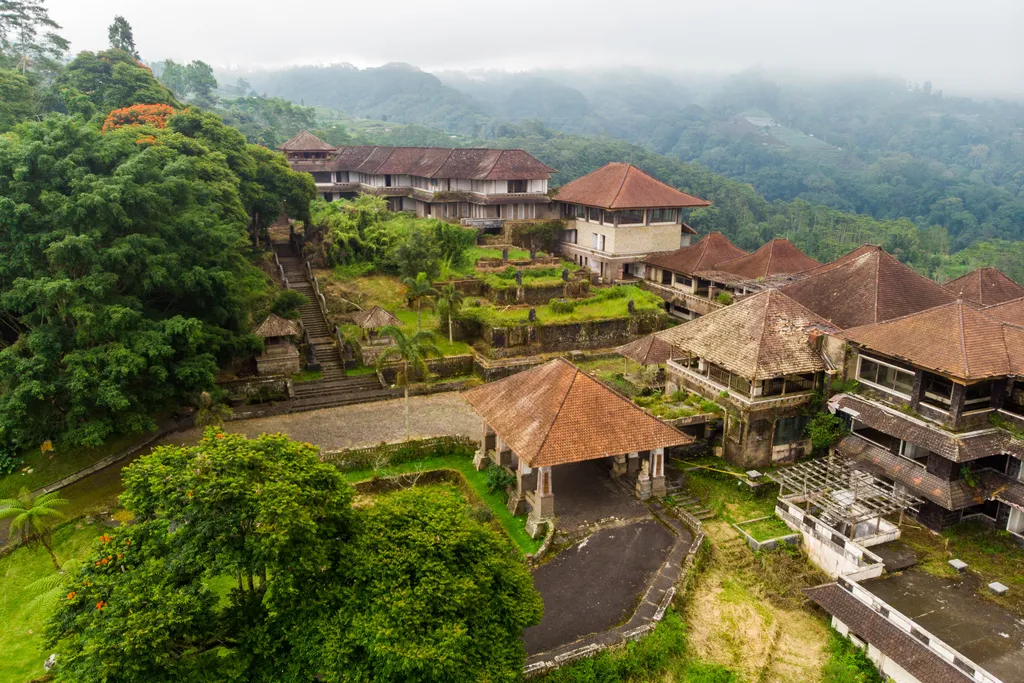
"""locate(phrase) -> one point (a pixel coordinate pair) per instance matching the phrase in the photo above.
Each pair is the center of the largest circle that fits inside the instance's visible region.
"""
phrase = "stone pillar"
(643, 480)
(658, 472)
(618, 466)
(917, 393)
(956, 410)
(526, 480)
(488, 442)
(633, 463)
(543, 504)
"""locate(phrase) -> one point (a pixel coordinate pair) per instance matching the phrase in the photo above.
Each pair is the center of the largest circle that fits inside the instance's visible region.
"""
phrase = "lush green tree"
(287, 304)
(266, 121)
(435, 596)
(417, 251)
(264, 514)
(29, 40)
(411, 352)
(96, 83)
(419, 290)
(449, 301)
(121, 38)
(175, 77)
(32, 517)
(17, 99)
(200, 80)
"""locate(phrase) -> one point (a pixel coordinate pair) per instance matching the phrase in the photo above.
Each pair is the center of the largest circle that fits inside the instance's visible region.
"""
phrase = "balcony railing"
(714, 388)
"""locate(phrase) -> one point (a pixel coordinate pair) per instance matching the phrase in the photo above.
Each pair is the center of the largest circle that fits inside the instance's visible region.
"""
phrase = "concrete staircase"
(334, 388)
(691, 504)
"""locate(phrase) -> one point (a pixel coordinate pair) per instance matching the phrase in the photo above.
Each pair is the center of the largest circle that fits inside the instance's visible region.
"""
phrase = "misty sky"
(960, 45)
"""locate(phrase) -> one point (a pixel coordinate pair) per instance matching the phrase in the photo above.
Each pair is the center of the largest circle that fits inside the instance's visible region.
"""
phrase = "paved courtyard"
(364, 424)
(585, 494)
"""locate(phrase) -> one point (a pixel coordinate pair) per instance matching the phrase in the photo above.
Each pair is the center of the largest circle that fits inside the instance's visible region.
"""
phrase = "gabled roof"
(374, 318)
(704, 254)
(649, 350)
(276, 326)
(986, 286)
(443, 162)
(1008, 311)
(624, 186)
(866, 286)
(555, 414)
(305, 141)
(762, 336)
(958, 339)
(777, 257)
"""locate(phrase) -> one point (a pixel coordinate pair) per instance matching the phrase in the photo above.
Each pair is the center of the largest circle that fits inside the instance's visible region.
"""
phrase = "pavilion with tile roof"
(777, 257)
(985, 286)
(556, 415)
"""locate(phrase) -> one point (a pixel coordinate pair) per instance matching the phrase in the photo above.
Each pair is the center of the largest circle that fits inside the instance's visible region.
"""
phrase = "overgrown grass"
(766, 529)
(514, 526)
(21, 638)
(678, 404)
(662, 655)
(847, 663)
(308, 376)
(602, 305)
(38, 469)
(431, 322)
(727, 495)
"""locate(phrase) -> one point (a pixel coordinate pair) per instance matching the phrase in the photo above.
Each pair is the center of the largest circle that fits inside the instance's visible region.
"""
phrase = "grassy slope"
(39, 469)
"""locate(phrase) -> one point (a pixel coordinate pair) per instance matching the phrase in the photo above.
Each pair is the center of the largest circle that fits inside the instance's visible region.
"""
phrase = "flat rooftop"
(952, 610)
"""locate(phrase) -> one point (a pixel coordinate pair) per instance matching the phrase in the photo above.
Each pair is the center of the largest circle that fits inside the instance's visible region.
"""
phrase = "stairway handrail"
(280, 268)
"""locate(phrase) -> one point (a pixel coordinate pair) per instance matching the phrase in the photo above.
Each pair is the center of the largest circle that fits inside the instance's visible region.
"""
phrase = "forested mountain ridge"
(875, 146)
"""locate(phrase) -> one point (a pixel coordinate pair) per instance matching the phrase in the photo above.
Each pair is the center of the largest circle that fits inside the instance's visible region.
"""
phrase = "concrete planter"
(769, 544)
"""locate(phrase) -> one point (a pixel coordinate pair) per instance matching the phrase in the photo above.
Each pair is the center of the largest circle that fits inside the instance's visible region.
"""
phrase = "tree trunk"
(418, 326)
(451, 338)
(406, 409)
(49, 549)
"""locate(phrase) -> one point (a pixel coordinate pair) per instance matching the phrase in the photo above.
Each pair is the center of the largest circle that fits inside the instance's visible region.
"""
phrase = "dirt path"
(738, 619)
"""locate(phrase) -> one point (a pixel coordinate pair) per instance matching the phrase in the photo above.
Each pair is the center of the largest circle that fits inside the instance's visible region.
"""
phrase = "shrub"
(287, 304)
(825, 429)
(499, 479)
(396, 454)
(724, 298)
(847, 663)
(481, 513)
(562, 305)
(610, 293)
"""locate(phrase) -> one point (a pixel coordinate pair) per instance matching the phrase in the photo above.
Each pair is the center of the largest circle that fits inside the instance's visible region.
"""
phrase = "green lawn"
(514, 526)
(726, 495)
(766, 529)
(21, 639)
(430, 322)
(601, 305)
(39, 469)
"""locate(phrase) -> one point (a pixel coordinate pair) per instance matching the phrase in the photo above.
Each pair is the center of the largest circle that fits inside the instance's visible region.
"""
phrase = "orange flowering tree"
(139, 115)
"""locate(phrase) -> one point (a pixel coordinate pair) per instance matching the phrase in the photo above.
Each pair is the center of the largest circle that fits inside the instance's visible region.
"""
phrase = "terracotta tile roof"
(866, 286)
(555, 414)
(762, 336)
(957, 339)
(777, 257)
(1008, 311)
(956, 447)
(624, 186)
(704, 254)
(374, 318)
(910, 654)
(986, 286)
(649, 350)
(443, 162)
(276, 326)
(305, 141)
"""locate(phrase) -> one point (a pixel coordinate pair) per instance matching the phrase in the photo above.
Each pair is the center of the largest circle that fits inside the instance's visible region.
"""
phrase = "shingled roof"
(762, 336)
(866, 286)
(555, 414)
(374, 318)
(442, 162)
(305, 141)
(702, 255)
(986, 286)
(778, 257)
(649, 350)
(957, 339)
(624, 186)
(276, 326)
(898, 645)
(1008, 311)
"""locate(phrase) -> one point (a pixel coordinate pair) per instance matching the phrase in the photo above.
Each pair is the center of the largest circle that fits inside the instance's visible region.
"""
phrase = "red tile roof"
(958, 339)
(986, 286)
(866, 286)
(305, 141)
(1008, 311)
(777, 257)
(442, 162)
(759, 337)
(555, 414)
(704, 254)
(624, 186)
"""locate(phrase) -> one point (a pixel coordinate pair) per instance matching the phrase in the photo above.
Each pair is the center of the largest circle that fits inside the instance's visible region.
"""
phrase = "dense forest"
(874, 146)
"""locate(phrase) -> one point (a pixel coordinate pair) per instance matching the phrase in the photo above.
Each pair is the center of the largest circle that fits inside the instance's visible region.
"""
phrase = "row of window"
(938, 390)
(624, 217)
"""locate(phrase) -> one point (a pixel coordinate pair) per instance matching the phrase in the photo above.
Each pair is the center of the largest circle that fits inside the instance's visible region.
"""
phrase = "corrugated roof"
(780, 256)
(374, 318)
(649, 350)
(913, 656)
(762, 336)
(276, 326)
(624, 186)
(866, 286)
(555, 414)
(957, 339)
(703, 255)
(305, 141)
(986, 286)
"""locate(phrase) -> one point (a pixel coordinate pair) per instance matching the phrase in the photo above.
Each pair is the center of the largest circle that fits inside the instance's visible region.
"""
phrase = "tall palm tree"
(412, 352)
(32, 517)
(419, 290)
(449, 301)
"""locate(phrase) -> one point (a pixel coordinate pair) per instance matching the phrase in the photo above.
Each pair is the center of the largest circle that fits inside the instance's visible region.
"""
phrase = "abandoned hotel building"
(930, 382)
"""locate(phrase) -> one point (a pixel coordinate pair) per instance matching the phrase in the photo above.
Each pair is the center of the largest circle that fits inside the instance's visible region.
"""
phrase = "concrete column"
(643, 480)
(543, 503)
(956, 410)
(917, 393)
(488, 442)
(619, 466)
(526, 480)
(658, 472)
(633, 463)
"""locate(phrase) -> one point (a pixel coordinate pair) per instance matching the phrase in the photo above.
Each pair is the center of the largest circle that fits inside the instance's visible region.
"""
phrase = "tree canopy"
(121, 38)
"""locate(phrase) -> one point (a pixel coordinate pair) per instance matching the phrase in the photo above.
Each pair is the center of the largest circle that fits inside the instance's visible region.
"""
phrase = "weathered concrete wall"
(539, 294)
(450, 366)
